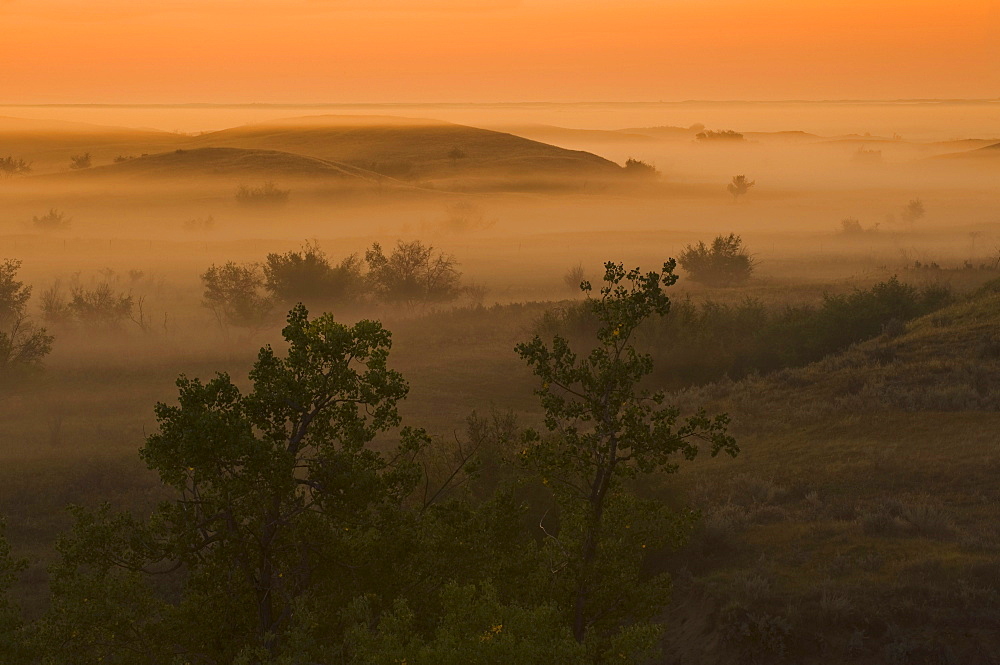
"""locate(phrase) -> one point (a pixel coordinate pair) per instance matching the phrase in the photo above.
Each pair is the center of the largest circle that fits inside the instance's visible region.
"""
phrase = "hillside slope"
(861, 523)
(200, 163)
(412, 148)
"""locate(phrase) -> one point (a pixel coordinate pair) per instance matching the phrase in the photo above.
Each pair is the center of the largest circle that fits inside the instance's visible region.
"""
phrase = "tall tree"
(604, 429)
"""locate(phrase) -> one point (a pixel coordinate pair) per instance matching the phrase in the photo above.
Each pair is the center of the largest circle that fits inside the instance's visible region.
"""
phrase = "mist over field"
(835, 315)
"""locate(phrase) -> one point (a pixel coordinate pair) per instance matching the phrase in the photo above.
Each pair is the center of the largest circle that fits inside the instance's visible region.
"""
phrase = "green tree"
(603, 431)
(282, 505)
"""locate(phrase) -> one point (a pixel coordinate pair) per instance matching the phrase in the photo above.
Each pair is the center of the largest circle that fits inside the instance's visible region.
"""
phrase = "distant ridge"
(411, 147)
(208, 162)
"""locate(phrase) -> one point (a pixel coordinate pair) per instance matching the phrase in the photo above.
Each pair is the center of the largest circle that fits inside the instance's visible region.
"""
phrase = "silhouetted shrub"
(719, 135)
(80, 161)
(850, 226)
(913, 211)
(9, 167)
(574, 277)
(413, 273)
(739, 186)
(100, 307)
(724, 263)
(199, 224)
(234, 294)
(308, 276)
(53, 220)
(640, 169)
(267, 194)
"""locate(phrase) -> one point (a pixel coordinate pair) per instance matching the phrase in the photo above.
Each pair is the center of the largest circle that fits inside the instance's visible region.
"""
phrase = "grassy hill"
(428, 152)
(861, 523)
(228, 162)
(412, 148)
(49, 144)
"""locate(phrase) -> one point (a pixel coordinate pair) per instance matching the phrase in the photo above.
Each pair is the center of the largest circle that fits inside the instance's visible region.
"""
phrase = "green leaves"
(604, 429)
(278, 494)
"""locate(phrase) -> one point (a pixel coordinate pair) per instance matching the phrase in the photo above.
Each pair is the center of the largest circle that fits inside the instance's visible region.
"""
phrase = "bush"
(725, 263)
(413, 273)
(233, 293)
(80, 161)
(852, 227)
(640, 169)
(100, 307)
(267, 194)
(574, 278)
(913, 211)
(719, 135)
(740, 186)
(10, 167)
(308, 276)
(53, 220)
(701, 342)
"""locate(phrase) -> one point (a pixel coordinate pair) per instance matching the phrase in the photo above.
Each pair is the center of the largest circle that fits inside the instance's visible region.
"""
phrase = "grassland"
(857, 525)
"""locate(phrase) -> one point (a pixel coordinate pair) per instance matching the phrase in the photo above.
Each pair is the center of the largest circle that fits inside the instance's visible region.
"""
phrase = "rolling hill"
(412, 148)
(859, 524)
(200, 163)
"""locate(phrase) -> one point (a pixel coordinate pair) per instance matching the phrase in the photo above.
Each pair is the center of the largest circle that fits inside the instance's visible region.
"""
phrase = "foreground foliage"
(299, 533)
(608, 430)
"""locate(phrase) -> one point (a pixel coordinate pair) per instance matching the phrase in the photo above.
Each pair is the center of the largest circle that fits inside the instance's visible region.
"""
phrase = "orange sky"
(166, 51)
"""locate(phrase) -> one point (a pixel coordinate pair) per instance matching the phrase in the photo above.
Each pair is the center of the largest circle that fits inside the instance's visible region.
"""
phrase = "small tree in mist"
(10, 167)
(724, 263)
(604, 432)
(913, 211)
(80, 161)
(740, 186)
(413, 273)
(574, 278)
(53, 220)
(22, 345)
(100, 307)
(234, 294)
(308, 276)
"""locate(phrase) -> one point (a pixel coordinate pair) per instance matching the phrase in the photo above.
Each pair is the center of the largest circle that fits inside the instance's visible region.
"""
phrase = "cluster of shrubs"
(267, 194)
(719, 135)
(244, 295)
(702, 342)
(100, 307)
